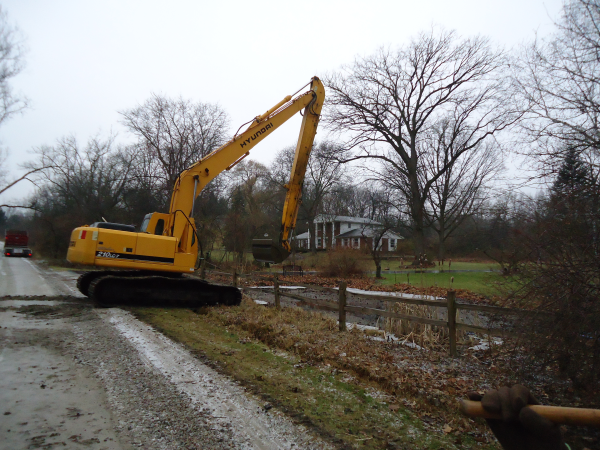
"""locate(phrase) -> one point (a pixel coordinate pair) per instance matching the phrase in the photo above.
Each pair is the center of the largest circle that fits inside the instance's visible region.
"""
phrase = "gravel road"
(73, 376)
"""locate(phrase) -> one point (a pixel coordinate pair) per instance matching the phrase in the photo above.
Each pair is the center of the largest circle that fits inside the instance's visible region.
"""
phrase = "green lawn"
(456, 265)
(485, 283)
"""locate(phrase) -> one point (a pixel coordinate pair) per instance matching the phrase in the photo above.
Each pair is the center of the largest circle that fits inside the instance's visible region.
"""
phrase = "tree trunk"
(441, 248)
(378, 272)
(419, 241)
(441, 242)
(417, 214)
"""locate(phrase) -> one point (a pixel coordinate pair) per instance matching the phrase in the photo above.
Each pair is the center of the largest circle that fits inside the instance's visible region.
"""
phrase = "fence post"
(452, 321)
(342, 305)
(235, 278)
(203, 269)
(276, 286)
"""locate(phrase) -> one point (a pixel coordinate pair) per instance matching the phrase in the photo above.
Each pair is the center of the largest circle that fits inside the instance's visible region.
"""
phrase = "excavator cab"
(154, 223)
(267, 250)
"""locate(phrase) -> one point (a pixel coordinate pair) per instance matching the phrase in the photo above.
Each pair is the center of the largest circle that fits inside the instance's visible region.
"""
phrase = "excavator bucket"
(266, 250)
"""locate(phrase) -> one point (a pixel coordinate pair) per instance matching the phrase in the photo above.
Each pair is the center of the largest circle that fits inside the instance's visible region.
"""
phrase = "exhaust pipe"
(265, 250)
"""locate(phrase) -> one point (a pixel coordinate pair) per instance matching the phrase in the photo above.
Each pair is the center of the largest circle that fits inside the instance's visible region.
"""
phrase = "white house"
(344, 231)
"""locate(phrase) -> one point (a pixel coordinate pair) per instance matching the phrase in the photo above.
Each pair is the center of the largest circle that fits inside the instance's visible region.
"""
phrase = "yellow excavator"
(151, 265)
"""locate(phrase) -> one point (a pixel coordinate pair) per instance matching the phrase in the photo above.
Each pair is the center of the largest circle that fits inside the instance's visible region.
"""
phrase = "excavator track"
(114, 289)
(85, 279)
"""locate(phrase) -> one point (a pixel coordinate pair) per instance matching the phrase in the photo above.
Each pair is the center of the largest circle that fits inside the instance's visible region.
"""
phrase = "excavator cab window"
(160, 227)
(145, 223)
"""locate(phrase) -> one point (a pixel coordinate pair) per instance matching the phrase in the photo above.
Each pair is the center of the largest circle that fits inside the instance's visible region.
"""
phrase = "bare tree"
(175, 133)
(462, 188)
(6, 185)
(556, 83)
(388, 101)
(373, 235)
(88, 182)
(12, 50)
(250, 201)
(77, 185)
(367, 199)
(323, 173)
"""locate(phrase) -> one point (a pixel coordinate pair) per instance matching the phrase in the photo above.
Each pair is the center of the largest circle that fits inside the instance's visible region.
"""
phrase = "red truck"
(15, 243)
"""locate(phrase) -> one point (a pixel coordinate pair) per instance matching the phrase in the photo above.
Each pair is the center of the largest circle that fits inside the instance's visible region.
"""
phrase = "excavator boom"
(226, 157)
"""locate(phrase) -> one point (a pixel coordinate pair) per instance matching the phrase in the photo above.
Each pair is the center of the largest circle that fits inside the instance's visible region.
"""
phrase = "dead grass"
(337, 371)
(426, 336)
(427, 382)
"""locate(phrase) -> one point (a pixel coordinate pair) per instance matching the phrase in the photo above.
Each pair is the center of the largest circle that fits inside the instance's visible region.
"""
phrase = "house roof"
(367, 232)
(302, 236)
(329, 218)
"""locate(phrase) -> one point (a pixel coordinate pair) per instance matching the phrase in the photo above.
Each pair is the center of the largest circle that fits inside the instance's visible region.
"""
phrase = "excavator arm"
(265, 249)
(191, 181)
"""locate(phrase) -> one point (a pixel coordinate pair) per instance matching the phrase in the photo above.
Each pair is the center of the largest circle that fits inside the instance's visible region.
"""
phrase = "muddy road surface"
(76, 376)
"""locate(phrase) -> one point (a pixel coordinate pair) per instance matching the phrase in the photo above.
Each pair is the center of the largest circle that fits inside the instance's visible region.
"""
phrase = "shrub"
(343, 262)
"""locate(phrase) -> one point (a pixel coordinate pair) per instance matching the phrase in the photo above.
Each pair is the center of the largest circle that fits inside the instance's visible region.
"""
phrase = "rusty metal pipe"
(556, 414)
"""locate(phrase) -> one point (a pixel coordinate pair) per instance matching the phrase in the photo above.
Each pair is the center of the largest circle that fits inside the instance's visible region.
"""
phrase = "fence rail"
(342, 307)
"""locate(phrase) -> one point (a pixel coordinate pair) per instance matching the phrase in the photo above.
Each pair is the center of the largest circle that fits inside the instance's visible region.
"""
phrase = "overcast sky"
(87, 60)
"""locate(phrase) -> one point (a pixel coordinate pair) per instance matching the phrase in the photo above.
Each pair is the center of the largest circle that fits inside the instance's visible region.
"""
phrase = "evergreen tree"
(573, 175)
(2, 220)
(570, 194)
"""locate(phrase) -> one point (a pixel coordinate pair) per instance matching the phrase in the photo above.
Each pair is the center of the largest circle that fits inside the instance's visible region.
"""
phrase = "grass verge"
(298, 361)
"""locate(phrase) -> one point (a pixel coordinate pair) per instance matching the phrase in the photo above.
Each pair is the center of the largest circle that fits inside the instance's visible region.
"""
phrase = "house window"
(349, 225)
(356, 242)
(318, 242)
(393, 243)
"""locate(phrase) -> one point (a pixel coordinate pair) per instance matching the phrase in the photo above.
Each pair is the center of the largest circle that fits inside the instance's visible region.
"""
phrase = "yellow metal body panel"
(151, 245)
(151, 226)
(115, 242)
(185, 260)
(121, 249)
(82, 248)
(308, 131)
(143, 265)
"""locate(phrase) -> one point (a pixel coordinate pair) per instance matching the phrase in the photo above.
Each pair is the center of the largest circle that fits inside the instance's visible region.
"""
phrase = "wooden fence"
(341, 306)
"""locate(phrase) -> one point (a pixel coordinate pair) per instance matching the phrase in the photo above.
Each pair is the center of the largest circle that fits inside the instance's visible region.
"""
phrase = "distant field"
(456, 265)
(485, 283)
